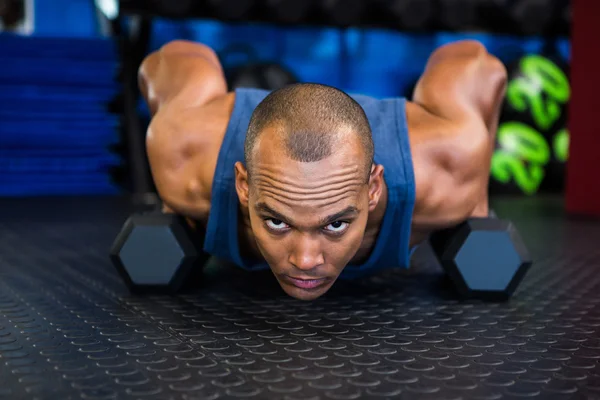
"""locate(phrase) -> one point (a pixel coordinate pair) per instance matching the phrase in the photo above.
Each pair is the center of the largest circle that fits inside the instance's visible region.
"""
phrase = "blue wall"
(375, 62)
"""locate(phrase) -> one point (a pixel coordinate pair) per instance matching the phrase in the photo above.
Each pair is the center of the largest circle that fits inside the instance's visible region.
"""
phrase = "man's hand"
(178, 82)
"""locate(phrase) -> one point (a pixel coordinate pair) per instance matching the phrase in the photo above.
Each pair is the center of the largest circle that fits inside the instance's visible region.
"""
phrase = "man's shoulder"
(424, 124)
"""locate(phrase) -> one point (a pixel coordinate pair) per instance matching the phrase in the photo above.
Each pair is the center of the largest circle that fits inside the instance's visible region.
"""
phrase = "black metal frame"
(133, 37)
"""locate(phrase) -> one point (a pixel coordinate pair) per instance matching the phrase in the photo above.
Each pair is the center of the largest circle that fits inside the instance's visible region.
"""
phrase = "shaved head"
(312, 122)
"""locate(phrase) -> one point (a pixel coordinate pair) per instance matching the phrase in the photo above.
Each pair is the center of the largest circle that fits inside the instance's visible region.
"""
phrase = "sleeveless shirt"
(387, 118)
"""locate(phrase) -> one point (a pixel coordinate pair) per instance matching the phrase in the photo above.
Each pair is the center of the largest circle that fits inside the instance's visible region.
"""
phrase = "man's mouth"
(305, 283)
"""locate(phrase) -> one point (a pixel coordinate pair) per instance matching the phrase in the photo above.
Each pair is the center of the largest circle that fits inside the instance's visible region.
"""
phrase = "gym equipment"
(532, 138)
(269, 76)
(56, 129)
(156, 252)
(532, 17)
(231, 9)
(173, 9)
(409, 14)
(521, 17)
(288, 11)
(525, 17)
(342, 12)
(458, 14)
(243, 68)
(493, 15)
(485, 258)
(565, 17)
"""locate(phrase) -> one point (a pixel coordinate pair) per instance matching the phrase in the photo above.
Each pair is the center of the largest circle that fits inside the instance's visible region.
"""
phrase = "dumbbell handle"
(162, 208)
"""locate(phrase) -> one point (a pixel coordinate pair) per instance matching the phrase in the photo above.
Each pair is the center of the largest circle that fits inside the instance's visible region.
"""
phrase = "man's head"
(308, 184)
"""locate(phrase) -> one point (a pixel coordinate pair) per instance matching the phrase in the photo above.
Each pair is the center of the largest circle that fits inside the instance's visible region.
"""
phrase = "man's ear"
(375, 185)
(241, 183)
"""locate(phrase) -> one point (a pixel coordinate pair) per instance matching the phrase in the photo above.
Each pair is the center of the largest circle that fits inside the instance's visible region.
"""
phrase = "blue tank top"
(387, 118)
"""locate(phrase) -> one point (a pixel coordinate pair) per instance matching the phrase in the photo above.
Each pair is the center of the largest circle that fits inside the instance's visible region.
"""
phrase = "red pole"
(583, 166)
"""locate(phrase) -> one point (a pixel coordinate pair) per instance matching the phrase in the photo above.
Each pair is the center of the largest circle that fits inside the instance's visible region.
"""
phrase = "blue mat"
(49, 105)
(51, 91)
(64, 125)
(61, 189)
(58, 47)
(51, 73)
(67, 179)
(58, 139)
(18, 115)
(10, 166)
(56, 133)
(46, 152)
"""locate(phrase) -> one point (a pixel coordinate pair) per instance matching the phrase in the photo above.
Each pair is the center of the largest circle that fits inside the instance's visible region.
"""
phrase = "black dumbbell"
(485, 258)
(156, 252)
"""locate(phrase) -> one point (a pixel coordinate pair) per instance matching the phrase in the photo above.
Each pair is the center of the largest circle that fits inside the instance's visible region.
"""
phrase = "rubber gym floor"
(69, 329)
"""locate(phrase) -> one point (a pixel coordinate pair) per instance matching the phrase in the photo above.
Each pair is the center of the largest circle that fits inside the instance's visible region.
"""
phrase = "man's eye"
(337, 227)
(276, 224)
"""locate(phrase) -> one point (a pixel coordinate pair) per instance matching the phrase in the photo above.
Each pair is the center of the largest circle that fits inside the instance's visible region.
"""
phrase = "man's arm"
(177, 81)
(461, 91)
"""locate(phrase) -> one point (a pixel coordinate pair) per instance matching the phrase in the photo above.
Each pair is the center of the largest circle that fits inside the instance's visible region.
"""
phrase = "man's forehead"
(307, 183)
(314, 203)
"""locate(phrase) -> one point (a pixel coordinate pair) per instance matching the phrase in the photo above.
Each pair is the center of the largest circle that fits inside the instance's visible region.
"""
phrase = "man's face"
(308, 219)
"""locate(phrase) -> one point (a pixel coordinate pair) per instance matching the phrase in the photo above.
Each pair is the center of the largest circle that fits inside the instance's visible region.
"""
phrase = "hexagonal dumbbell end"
(156, 252)
(484, 257)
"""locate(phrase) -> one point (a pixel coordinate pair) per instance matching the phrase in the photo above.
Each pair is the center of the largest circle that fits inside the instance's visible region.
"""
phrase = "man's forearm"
(179, 70)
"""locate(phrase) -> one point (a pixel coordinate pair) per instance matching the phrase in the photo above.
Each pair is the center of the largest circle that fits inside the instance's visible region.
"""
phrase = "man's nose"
(306, 253)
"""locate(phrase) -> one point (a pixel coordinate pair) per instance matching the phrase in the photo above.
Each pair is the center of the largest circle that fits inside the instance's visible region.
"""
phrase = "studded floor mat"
(70, 330)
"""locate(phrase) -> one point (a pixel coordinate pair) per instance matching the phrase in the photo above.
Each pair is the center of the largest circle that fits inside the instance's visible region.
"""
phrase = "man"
(310, 182)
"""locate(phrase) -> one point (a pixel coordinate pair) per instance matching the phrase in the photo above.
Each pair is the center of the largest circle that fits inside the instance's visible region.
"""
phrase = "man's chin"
(305, 294)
